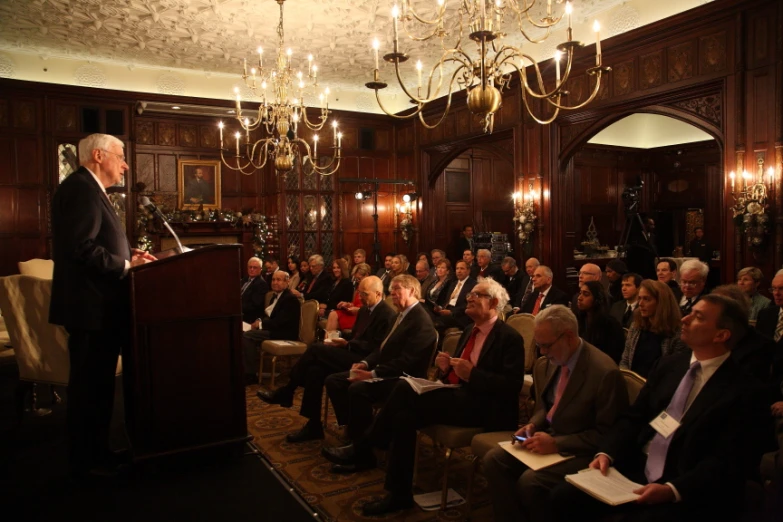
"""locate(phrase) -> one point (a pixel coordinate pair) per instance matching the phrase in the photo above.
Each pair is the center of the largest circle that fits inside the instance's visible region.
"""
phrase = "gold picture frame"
(192, 194)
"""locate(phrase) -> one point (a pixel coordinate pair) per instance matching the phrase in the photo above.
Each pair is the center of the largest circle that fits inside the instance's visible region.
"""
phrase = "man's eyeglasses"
(689, 283)
(121, 156)
(547, 346)
(475, 295)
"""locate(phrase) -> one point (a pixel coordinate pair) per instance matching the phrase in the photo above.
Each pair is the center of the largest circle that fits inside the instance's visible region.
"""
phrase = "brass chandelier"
(279, 117)
(485, 76)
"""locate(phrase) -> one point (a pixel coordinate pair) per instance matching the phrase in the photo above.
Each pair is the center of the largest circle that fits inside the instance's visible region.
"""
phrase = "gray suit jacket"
(593, 398)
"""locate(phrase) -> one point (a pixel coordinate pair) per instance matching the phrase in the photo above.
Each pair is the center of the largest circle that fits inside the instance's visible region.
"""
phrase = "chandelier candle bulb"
(375, 46)
(395, 14)
(731, 177)
(237, 135)
(597, 29)
(315, 146)
(569, 10)
(244, 65)
(558, 55)
(220, 126)
(418, 68)
(549, 8)
(309, 64)
(771, 174)
(260, 57)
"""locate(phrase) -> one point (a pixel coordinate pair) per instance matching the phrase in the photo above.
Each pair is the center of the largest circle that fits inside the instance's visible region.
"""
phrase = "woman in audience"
(443, 278)
(343, 316)
(342, 289)
(293, 270)
(596, 326)
(399, 265)
(304, 277)
(655, 330)
(749, 280)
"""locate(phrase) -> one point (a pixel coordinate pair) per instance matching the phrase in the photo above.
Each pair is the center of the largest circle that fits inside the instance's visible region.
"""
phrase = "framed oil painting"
(198, 183)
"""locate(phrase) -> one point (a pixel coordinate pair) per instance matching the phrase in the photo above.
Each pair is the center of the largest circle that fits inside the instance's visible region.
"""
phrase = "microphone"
(149, 205)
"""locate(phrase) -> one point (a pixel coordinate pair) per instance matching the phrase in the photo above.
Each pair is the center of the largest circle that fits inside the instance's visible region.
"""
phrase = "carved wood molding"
(499, 144)
(708, 108)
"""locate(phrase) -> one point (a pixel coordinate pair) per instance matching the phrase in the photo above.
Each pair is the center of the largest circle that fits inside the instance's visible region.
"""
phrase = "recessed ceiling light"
(176, 107)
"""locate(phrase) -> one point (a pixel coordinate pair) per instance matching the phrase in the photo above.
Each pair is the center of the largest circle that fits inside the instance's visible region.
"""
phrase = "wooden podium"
(183, 371)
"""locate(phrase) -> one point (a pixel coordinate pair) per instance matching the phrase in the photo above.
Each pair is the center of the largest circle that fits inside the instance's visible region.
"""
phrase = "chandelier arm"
(536, 118)
(461, 64)
(311, 125)
(434, 96)
(439, 16)
(442, 116)
(396, 116)
(239, 168)
(588, 100)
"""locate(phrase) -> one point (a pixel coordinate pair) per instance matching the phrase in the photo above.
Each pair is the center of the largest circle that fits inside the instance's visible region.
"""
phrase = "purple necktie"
(656, 456)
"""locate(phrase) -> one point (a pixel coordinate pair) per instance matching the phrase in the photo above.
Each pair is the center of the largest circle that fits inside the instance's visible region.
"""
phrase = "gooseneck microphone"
(149, 205)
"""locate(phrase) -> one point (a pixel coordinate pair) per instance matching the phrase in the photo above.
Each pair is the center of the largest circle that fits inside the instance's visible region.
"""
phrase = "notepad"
(420, 385)
(534, 461)
(613, 488)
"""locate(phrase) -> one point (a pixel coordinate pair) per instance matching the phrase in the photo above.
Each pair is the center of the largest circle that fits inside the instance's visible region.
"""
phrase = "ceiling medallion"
(486, 75)
(279, 117)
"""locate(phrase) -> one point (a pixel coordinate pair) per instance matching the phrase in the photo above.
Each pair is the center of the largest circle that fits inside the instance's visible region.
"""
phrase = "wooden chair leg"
(272, 377)
(444, 495)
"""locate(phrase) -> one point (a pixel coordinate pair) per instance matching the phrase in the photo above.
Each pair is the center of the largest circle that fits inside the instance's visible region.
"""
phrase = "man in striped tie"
(692, 435)
(579, 394)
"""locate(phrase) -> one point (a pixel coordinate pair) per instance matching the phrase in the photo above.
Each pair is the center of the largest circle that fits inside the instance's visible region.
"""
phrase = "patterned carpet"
(340, 497)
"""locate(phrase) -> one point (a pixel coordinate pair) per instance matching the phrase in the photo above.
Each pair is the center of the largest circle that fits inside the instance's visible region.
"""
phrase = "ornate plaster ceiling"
(212, 37)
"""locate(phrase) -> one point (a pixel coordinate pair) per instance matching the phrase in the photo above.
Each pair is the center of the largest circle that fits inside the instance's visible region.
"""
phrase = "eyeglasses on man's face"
(547, 346)
(477, 295)
(121, 156)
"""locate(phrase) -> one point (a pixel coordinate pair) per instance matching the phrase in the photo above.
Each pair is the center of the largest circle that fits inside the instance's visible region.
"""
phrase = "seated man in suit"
(407, 348)
(452, 301)
(271, 266)
(383, 272)
(544, 294)
(373, 322)
(770, 324)
(280, 321)
(488, 365)
(512, 281)
(666, 272)
(437, 255)
(526, 287)
(466, 241)
(320, 281)
(693, 279)
(254, 289)
(486, 268)
(470, 260)
(579, 394)
(693, 468)
(423, 275)
(623, 310)
(588, 272)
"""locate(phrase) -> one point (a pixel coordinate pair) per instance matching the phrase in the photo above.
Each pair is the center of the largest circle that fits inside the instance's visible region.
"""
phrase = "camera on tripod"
(631, 198)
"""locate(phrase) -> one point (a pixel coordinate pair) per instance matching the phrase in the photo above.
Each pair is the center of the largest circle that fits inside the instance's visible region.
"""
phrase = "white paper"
(245, 326)
(534, 461)
(612, 489)
(431, 501)
(420, 385)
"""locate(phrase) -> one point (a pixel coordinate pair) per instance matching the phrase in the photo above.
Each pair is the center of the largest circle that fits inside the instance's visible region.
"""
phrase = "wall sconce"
(366, 194)
(750, 203)
(525, 213)
(406, 216)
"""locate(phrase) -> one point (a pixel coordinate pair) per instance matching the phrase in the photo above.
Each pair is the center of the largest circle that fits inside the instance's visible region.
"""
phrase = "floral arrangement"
(525, 220)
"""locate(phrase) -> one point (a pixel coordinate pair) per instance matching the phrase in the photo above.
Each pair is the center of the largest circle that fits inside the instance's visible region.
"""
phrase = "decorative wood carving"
(712, 53)
(145, 133)
(65, 118)
(577, 88)
(24, 114)
(209, 137)
(709, 108)
(187, 136)
(651, 70)
(680, 62)
(166, 134)
(623, 75)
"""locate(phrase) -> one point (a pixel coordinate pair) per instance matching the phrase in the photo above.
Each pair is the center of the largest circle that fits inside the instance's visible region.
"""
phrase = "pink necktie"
(561, 385)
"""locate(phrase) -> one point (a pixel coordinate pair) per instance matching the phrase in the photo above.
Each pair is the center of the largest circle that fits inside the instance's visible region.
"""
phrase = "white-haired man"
(693, 278)
(91, 256)
(486, 268)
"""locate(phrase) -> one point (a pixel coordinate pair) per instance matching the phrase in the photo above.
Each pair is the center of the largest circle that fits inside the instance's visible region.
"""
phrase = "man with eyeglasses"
(487, 366)
(426, 279)
(453, 300)
(579, 394)
(373, 322)
(588, 272)
(253, 291)
(544, 294)
(693, 278)
(91, 257)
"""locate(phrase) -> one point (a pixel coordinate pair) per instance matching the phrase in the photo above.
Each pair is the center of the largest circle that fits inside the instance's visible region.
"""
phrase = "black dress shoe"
(362, 464)
(339, 454)
(388, 504)
(279, 396)
(310, 431)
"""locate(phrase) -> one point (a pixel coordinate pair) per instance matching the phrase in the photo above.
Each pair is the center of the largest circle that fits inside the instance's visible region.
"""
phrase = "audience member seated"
(436, 293)
(383, 272)
(373, 322)
(615, 270)
(423, 275)
(466, 241)
(271, 266)
(655, 330)
(596, 326)
(579, 394)
(406, 349)
(666, 271)
(526, 288)
(544, 294)
(693, 278)
(254, 290)
(486, 268)
(341, 289)
(488, 364)
(437, 255)
(749, 279)
(304, 278)
(512, 280)
(588, 272)
(359, 257)
(698, 472)
(280, 321)
(399, 266)
(450, 310)
(294, 275)
(623, 310)
(470, 260)
(770, 324)
(320, 283)
(344, 314)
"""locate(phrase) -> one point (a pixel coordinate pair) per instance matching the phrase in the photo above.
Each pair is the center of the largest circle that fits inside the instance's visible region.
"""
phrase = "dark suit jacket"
(605, 333)
(618, 311)
(89, 249)
(706, 458)
(343, 291)
(283, 324)
(458, 310)
(676, 290)
(426, 284)
(593, 398)
(766, 323)
(321, 288)
(370, 337)
(495, 382)
(494, 271)
(408, 349)
(253, 299)
(555, 296)
(463, 244)
(516, 300)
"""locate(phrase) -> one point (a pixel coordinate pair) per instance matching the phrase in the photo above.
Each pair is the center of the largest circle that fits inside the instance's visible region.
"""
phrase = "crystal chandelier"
(486, 75)
(750, 203)
(279, 117)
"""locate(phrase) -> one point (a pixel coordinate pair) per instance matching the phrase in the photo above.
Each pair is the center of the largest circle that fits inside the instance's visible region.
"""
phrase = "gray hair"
(697, 266)
(560, 318)
(258, 259)
(547, 270)
(751, 271)
(438, 250)
(409, 282)
(96, 141)
(318, 260)
(423, 262)
(483, 252)
(285, 274)
(496, 291)
(779, 272)
(509, 262)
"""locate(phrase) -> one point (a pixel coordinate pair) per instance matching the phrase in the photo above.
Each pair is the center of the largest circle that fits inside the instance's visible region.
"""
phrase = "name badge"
(665, 424)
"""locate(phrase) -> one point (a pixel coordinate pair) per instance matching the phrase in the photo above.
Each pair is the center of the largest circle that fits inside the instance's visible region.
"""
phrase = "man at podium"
(91, 256)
